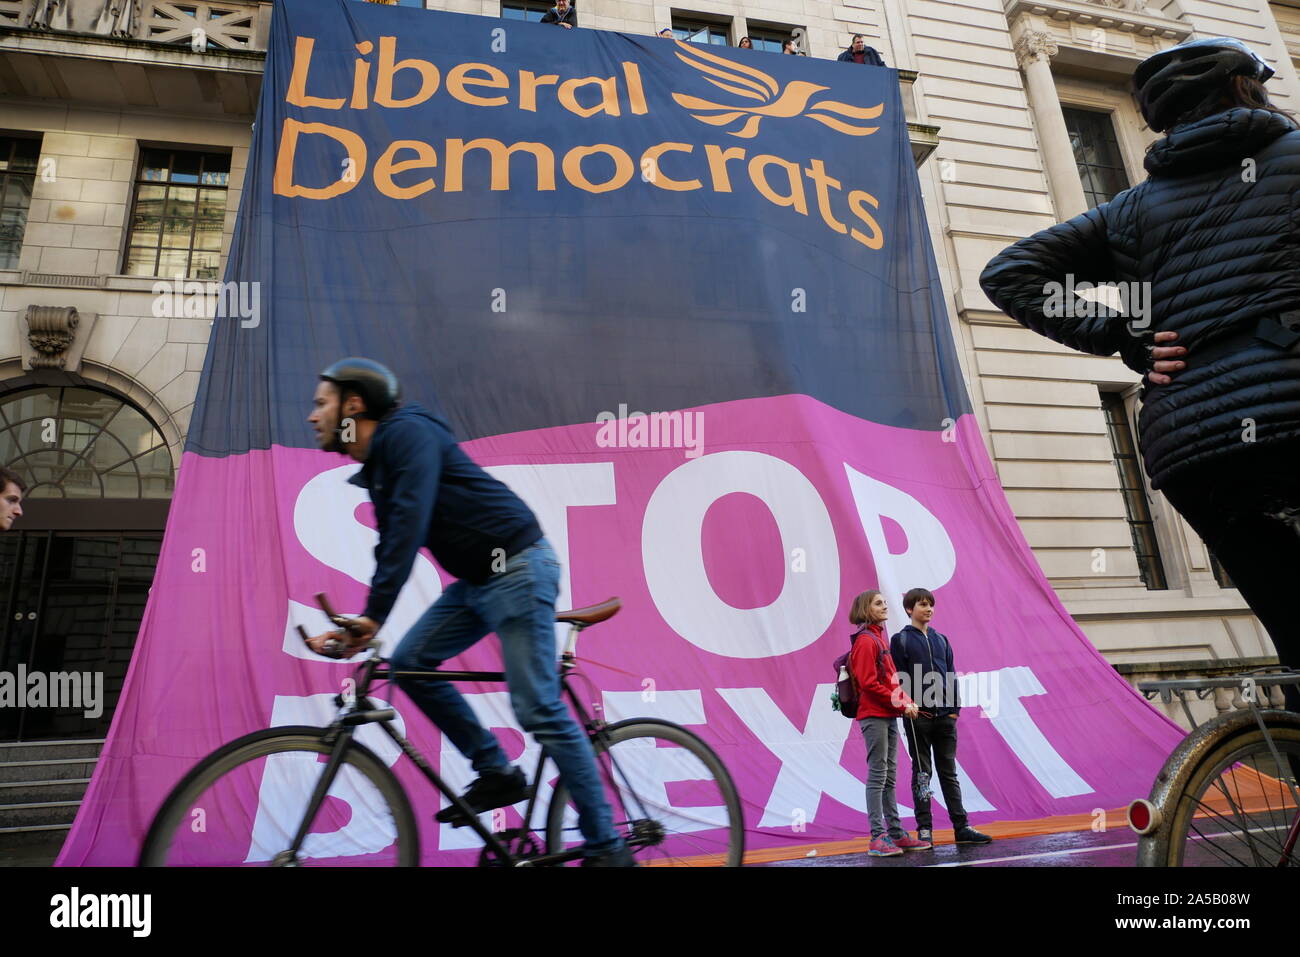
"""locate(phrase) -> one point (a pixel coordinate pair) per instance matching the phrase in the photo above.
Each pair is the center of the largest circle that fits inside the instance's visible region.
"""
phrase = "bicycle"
(1230, 792)
(265, 798)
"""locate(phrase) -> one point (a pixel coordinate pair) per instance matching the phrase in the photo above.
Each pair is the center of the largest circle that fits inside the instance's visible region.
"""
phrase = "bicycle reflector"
(1143, 816)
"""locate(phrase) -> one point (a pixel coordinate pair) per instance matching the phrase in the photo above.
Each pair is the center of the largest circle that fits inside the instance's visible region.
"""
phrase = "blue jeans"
(518, 603)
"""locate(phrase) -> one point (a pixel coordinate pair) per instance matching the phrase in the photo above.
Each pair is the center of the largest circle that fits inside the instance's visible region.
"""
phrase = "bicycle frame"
(363, 711)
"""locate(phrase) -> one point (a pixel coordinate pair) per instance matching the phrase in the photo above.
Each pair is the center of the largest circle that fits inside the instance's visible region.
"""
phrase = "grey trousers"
(881, 737)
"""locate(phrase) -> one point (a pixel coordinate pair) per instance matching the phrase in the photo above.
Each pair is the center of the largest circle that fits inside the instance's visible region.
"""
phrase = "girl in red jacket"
(880, 702)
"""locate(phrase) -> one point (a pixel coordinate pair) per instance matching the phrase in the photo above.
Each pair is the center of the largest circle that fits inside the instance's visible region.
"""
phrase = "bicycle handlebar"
(345, 624)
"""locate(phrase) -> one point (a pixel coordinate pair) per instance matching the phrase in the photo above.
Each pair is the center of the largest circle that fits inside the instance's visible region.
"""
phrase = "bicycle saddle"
(591, 615)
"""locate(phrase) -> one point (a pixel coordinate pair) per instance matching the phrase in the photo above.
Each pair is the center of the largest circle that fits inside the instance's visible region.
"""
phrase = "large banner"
(682, 299)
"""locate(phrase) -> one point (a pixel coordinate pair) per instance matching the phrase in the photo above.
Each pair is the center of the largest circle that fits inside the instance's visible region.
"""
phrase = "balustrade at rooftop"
(188, 57)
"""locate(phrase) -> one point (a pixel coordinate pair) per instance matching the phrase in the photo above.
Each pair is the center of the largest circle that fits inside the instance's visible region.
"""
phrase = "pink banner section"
(736, 567)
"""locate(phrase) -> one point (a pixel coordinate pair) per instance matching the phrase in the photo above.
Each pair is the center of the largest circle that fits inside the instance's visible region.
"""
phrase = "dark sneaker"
(619, 858)
(490, 790)
(968, 835)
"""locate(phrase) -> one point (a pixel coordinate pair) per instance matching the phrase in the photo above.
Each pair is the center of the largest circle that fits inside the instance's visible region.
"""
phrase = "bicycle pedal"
(459, 819)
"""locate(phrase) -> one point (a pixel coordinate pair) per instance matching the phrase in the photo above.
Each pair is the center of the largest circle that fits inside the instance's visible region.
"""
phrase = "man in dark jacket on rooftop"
(1206, 247)
(428, 492)
(859, 52)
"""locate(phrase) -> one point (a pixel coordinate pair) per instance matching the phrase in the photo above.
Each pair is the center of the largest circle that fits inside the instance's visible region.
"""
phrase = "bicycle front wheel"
(1238, 805)
(673, 800)
(244, 805)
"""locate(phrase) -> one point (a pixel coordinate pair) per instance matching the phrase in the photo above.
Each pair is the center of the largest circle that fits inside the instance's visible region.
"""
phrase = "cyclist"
(1212, 230)
(428, 492)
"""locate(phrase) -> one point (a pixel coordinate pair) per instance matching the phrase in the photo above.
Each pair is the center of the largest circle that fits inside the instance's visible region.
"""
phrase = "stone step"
(22, 771)
(23, 751)
(29, 792)
(43, 812)
(35, 845)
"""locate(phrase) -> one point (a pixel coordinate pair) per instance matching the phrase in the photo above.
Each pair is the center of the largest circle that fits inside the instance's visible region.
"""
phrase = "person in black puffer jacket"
(1215, 231)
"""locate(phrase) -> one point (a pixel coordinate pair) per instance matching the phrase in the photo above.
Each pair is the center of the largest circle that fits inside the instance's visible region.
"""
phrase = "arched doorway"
(75, 570)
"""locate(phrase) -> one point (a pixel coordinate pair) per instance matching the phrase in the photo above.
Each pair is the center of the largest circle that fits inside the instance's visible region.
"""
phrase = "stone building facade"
(124, 134)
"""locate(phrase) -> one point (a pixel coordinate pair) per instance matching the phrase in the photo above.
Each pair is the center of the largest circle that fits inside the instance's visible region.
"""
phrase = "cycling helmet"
(1172, 82)
(375, 383)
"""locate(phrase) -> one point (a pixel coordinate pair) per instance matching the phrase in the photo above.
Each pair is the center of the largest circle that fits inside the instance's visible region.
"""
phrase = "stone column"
(1034, 50)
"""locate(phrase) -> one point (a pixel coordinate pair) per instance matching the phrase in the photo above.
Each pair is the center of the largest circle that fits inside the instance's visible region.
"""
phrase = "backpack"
(844, 698)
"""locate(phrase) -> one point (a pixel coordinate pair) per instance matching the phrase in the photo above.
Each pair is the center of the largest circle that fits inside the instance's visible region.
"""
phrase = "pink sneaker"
(909, 843)
(884, 847)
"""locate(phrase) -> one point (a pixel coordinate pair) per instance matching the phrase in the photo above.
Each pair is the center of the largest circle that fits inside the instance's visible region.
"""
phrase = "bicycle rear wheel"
(243, 804)
(673, 801)
(1238, 807)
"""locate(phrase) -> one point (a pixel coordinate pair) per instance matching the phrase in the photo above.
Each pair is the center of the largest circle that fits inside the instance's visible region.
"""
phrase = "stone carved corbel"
(55, 337)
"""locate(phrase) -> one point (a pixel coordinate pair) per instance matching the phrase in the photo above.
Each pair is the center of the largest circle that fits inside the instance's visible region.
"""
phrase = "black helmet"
(1172, 82)
(375, 383)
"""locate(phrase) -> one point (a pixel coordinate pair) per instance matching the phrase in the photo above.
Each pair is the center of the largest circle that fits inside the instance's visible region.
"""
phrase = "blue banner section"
(536, 225)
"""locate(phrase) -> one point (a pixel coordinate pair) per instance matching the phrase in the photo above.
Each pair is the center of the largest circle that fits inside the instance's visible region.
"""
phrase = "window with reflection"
(698, 31)
(1096, 152)
(1128, 463)
(530, 10)
(178, 213)
(771, 40)
(82, 443)
(18, 158)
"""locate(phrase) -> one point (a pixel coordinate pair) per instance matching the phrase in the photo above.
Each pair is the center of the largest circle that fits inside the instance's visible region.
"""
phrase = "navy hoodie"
(932, 653)
(428, 492)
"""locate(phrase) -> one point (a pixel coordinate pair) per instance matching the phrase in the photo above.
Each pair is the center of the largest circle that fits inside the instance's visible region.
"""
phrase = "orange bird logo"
(770, 100)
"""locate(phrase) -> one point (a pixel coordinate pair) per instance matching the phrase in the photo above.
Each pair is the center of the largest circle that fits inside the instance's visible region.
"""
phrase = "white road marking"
(1025, 857)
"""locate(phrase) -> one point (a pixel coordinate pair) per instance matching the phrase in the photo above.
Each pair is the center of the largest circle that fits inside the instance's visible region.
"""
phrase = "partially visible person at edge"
(562, 13)
(427, 492)
(859, 52)
(920, 651)
(788, 47)
(1213, 231)
(878, 705)
(12, 489)
(666, 33)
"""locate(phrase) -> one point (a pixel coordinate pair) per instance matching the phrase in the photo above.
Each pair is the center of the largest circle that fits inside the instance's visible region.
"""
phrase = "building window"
(530, 10)
(103, 447)
(770, 39)
(698, 31)
(1140, 524)
(178, 214)
(18, 158)
(1096, 151)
